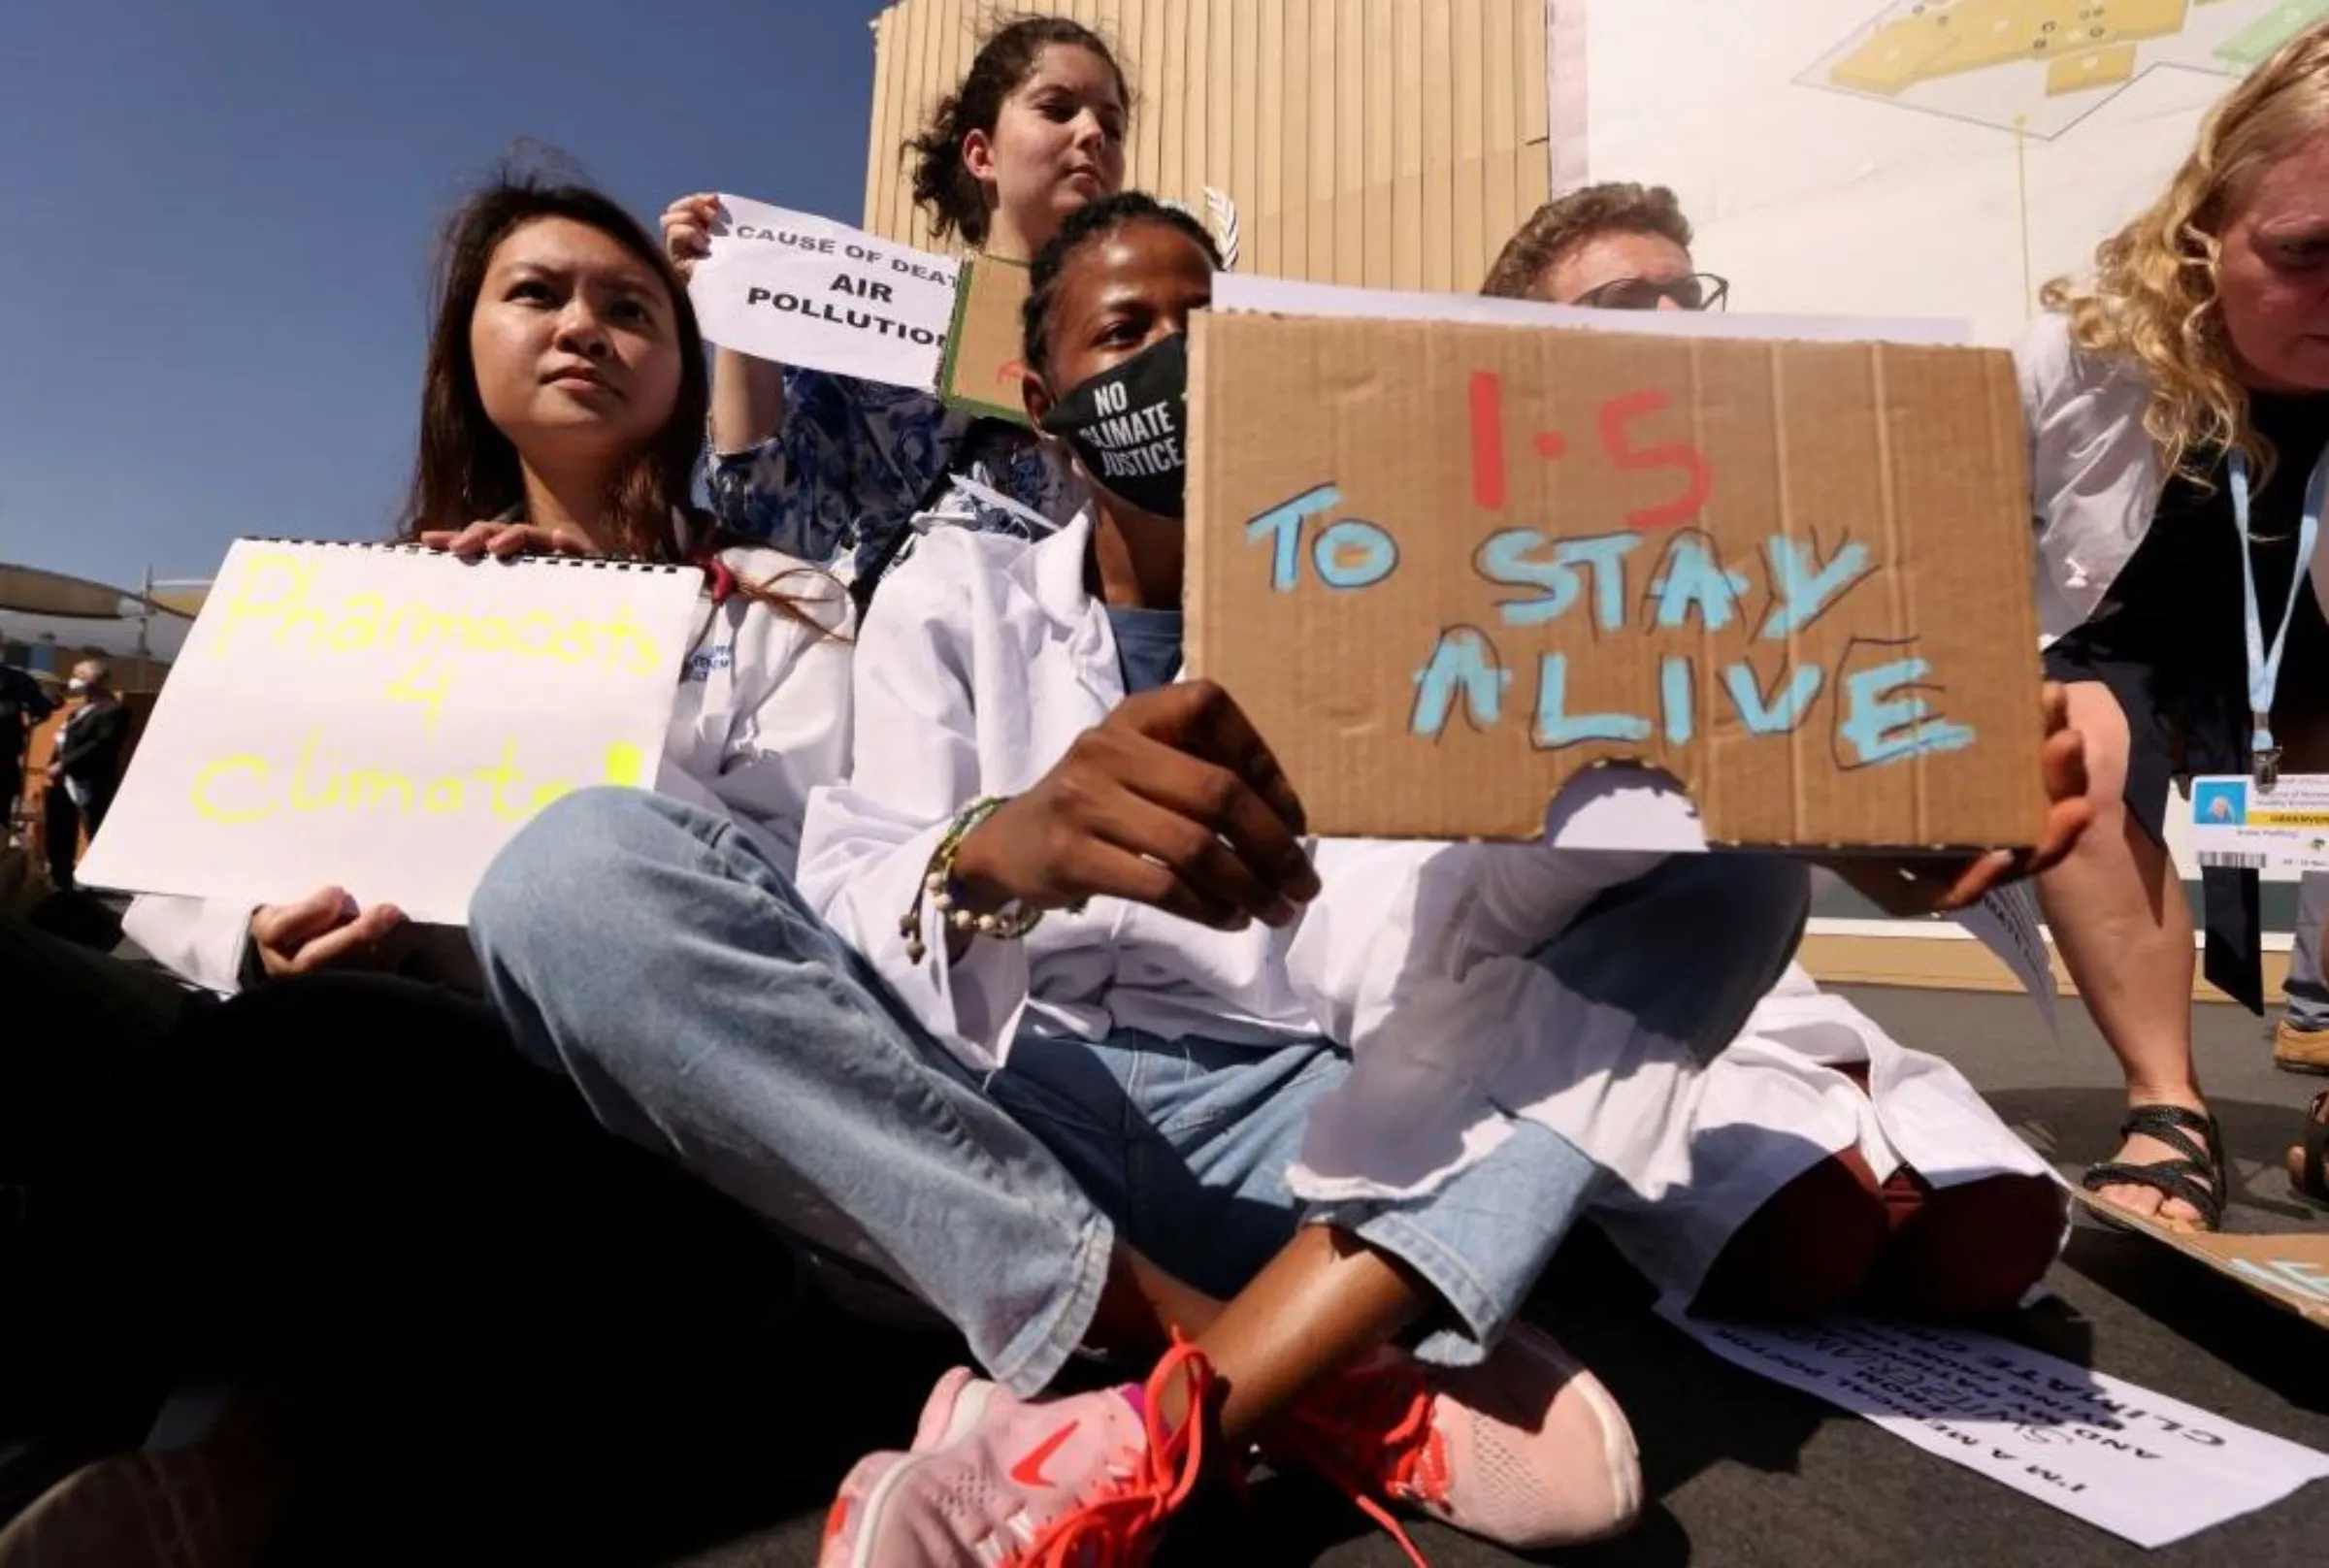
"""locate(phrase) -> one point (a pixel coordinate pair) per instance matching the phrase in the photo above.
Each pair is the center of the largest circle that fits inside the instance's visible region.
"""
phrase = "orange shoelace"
(1116, 1526)
(1368, 1433)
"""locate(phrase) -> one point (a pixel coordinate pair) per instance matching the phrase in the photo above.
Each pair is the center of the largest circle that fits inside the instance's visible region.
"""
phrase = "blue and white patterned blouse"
(855, 460)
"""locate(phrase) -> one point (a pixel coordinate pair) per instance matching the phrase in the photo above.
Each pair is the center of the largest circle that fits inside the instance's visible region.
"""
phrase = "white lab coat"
(987, 658)
(1773, 1106)
(2096, 479)
(761, 718)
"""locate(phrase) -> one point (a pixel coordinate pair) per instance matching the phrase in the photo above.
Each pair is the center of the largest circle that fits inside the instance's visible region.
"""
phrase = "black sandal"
(2313, 1182)
(2178, 1178)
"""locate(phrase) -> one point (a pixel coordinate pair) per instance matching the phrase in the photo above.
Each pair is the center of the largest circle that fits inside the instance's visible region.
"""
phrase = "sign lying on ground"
(806, 290)
(385, 718)
(2145, 1467)
(1447, 566)
(2289, 1270)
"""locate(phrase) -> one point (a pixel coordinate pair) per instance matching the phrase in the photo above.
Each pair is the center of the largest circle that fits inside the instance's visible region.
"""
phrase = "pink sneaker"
(993, 1480)
(1527, 1449)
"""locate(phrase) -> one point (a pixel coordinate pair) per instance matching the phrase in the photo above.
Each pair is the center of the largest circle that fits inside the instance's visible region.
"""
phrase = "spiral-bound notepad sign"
(385, 718)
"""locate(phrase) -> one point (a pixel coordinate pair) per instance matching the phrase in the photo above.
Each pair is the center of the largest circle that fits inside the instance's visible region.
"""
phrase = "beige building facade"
(1389, 143)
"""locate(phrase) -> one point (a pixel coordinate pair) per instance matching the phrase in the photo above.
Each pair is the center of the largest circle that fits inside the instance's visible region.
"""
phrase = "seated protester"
(562, 396)
(169, 1135)
(1833, 1168)
(822, 464)
(1804, 1136)
(1048, 850)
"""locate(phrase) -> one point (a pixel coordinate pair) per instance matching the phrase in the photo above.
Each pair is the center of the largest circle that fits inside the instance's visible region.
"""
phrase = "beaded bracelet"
(939, 889)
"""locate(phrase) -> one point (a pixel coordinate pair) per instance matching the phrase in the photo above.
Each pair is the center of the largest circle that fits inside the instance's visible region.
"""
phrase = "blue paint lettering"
(1464, 662)
(1605, 554)
(1690, 577)
(1801, 589)
(1776, 715)
(1881, 728)
(1508, 557)
(1354, 554)
(1555, 727)
(1282, 526)
(1677, 694)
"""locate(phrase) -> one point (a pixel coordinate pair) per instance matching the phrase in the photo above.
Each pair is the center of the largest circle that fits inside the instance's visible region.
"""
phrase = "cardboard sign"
(981, 369)
(1446, 567)
(2290, 1270)
(2146, 1468)
(805, 290)
(385, 718)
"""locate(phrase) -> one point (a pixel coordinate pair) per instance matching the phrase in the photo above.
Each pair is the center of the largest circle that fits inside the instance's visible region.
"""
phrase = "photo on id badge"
(2220, 803)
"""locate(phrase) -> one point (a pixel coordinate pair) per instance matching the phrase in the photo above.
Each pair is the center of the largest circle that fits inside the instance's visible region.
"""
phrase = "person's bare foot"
(2160, 1202)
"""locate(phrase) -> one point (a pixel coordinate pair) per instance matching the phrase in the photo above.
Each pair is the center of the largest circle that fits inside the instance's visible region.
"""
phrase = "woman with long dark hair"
(561, 406)
(358, 1163)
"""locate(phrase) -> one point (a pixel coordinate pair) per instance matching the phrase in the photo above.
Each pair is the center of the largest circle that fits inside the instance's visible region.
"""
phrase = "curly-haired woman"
(2178, 406)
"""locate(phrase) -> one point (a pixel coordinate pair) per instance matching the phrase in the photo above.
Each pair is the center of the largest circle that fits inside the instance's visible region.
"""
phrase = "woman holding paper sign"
(324, 1126)
(561, 400)
(1052, 849)
(824, 464)
(2179, 410)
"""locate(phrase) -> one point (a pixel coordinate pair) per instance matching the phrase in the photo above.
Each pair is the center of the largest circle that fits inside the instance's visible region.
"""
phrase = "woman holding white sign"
(822, 465)
(562, 397)
(328, 1125)
(2179, 410)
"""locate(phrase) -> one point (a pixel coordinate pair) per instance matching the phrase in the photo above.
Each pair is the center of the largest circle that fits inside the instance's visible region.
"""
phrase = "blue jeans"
(2307, 1006)
(645, 950)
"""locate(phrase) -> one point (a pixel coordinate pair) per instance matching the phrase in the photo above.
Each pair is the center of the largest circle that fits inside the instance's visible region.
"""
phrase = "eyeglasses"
(1693, 291)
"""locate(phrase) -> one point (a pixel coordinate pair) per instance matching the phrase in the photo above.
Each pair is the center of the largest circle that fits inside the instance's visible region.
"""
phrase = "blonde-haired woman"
(2179, 406)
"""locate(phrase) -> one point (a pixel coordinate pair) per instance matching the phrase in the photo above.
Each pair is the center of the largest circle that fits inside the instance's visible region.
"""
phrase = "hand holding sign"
(687, 225)
(1925, 887)
(501, 540)
(326, 930)
(1173, 800)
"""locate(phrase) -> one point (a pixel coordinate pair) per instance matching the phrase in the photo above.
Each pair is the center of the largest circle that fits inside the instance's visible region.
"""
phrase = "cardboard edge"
(1195, 527)
(2182, 1243)
(949, 356)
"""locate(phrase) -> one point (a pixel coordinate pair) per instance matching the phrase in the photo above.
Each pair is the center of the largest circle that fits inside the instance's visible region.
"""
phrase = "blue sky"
(215, 221)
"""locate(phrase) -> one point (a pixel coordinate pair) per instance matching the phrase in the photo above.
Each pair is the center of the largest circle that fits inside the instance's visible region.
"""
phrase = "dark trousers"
(61, 822)
(356, 1180)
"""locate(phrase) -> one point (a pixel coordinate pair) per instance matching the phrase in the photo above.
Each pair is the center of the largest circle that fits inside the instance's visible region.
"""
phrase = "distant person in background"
(2178, 403)
(1807, 1134)
(23, 705)
(2301, 1042)
(86, 769)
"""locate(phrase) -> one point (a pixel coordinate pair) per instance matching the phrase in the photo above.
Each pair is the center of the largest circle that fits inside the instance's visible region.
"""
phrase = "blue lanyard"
(2264, 666)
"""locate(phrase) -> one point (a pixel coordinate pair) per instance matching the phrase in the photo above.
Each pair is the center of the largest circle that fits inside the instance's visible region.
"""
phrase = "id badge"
(2237, 822)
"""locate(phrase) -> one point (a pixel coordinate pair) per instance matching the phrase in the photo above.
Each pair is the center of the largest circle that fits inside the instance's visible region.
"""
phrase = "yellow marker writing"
(291, 576)
(626, 766)
(243, 763)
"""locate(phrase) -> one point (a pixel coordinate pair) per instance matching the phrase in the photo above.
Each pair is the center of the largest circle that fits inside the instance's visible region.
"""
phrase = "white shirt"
(986, 660)
(1774, 1105)
(761, 718)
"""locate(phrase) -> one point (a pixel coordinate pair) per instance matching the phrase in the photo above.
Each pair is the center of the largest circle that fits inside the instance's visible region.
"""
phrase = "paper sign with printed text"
(385, 718)
(805, 290)
(981, 370)
(1445, 567)
(2146, 1468)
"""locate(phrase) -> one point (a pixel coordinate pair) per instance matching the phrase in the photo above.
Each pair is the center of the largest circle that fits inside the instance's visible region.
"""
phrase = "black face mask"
(1128, 425)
